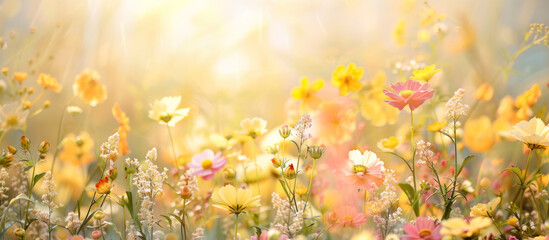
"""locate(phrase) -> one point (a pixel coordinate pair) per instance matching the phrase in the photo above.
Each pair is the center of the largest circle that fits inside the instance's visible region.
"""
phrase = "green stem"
(413, 147)
(522, 186)
(236, 226)
(173, 148)
(310, 185)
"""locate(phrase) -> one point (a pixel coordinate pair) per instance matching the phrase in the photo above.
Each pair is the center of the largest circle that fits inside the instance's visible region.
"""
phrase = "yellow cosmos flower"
(399, 33)
(528, 98)
(479, 135)
(485, 92)
(47, 81)
(300, 190)
(426, 74)
(20, 76)
(306, 92)
(77, 150)
(372, 102)
(235, 200)
(485, 209)
(533, 133)
(89, 88)
(254, 126)
(165, 111)
(347, 79)
(458, 227)
(436, 126)
(388, 144)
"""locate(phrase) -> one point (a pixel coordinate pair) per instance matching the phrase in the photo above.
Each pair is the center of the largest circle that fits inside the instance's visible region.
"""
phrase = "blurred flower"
(422, 229)
(206, 164)
(235, 200)
(372, 105)
(430, 16)
(77, 150)
(347, 79)
(306, 92)
(47, 81)
(485, 92)
(479, 135)
(348, 216)
(388, 144)
(335, 123)
(254, 127)
(74, 109)
(399, 34)
(13, 116)
(123, 129)
(20, 76)
(366, 170)
(458, 227)
(436, 126)
(533, 133)
(103, 186)
(485, 210)
(529, 97)
(425, 74)
(89, 88)
(165, 111)
(411, 94)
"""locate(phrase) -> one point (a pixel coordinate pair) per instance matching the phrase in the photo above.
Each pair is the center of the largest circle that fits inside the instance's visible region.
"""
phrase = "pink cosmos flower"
(411, 93)
(206, 164)
(265, 236)
(366, 170)
(346, 216)
(423, 229)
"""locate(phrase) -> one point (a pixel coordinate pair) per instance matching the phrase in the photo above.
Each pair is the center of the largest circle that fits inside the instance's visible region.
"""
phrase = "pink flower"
(346, 217)
(265, 236)
(423, 229)
(366, 170)
(205, 164)
(411, 93)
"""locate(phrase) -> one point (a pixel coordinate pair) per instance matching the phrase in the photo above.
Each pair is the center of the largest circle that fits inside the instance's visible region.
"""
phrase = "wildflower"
(399, 33)
(49, 82)
(89, 88)
(285, 131)
(533, 133)
(276, 162)
(388, 144)
(229, 173)
(290, 172)
(165, 111)
(366, 170)
(103, 186)
(235, 200)
(44, 147)
(348, 217)
(485, 210)
(485, 92)
(20, 76)
(109, 149)
(206, 164)
(422, 229)
(372, 105)
(347, 79)
(529, 97)
(455, 108)
(436, 126)
(459, 227)
(77, 150)
(423, 152)
(13, 116)
(315, 152)
(25, 142)
(411, 94)
(289, 218)
(123, 129)
(302, 126)
(479, 135)
(254, 127)
(5, 70)
(99, 215)
(73, 221)
(335, 123)
(306, 92)
(50, 193)
(301, 190)
(426, 74)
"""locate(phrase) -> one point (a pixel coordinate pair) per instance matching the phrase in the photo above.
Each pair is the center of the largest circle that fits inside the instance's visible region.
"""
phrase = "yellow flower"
(347, 78)
(485, 209)
(89, 88)
(123, 129)
(485, 92)
(512, 221)
(20, 76)
(533, 133)
(399, 33)
(77, 150)
(300, 190)
(388, 144)
(372, 105)
(436, 126)
(458, 227)
(528, 98)
(165, 111)
(430, 16)
(426, 74)
(254, 127)
(13, 116)
(479, 135)
(103, 186)
(47, 81)
(235, 200)
(305, 92)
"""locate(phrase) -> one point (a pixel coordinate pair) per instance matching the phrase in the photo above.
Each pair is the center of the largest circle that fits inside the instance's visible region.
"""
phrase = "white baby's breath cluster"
(301, 127)
(455, 107)
(109, 150)
(187, 179)
(50, 193)
(131, 232)
(3, 188)
(149, 182)
(287, 221)
(73, 221)
(423, 152)
(198, 233)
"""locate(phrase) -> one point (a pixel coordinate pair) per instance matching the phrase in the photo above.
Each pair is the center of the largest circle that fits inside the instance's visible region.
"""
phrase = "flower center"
(406, 93)
(12, 121)
(390, 143)
(348, 218)
(359, 168)
(166, 118)
(424, 233)
(207, 164)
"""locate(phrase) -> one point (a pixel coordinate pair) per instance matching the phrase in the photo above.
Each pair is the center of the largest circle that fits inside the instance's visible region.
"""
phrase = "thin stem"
(413, 147)
(183, 227)
(310, 185)
(173, 148)
(236, 226)
(522, 187)
(257, 179)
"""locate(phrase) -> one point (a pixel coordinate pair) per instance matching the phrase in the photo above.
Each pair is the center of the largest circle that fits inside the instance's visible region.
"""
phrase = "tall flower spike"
(455, 107)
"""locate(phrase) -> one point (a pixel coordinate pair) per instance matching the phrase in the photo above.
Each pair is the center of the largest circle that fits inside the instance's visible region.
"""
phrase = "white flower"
(533, 133)
(165, 111)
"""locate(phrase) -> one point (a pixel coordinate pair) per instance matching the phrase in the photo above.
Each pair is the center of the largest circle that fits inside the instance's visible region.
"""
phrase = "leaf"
(465, 161)
(411, 194)
(257, 231)
(177, 218)
(517, 171)
(28, 163)
(284, 187)
(169, 220)
(38, 177)
(21, 196)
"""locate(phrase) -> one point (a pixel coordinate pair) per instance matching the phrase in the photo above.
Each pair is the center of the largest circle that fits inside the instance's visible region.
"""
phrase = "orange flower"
(123, 129)
(103, 186)
(88, 87)
(479, 135)
(528, 98)
(47, 81)
(20, 76)
(77, 150)
(485, 92)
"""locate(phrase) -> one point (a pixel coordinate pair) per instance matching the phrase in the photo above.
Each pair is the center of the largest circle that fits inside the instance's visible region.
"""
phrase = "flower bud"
(19, 233)
(47, 104)
(44, 147)
(316, 152)
(25, 143)
(103, 186)
(186, 193)
(96, 234)
(290, 172)
(276, 162)
(12, 149)
(26, 105)
(229, 173)
(99, 215)
(285, 131)
(42, 156)
(113, 173)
